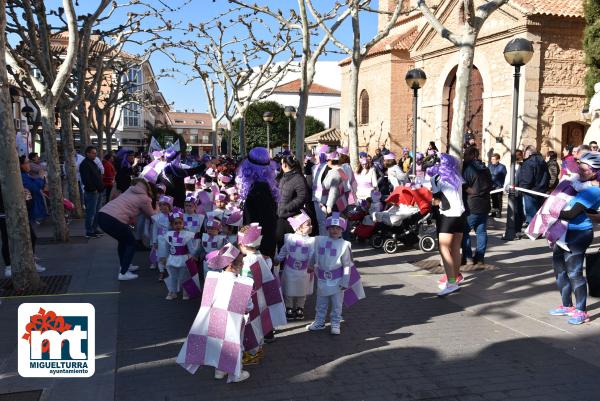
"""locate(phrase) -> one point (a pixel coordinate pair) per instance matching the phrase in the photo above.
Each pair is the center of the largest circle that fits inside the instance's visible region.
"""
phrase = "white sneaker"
(133, 268)
(243, 376)
(152, 266)
(315, 326)
(450, 288)
(39, 268)
(7, 272)
(219, 374)
(335, 330)
(127, 276)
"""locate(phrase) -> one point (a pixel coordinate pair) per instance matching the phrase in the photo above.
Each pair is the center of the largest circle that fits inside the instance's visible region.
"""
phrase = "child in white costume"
(332, 260)
(296, 254)
(191, 219)
(211, 241)
(220, 205)
(160, 225)
(174, 250)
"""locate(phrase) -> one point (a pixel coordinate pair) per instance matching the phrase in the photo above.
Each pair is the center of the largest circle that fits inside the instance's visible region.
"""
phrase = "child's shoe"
(162, 276)
(171, 296)
(243, 376)
(249, 359)
(444, 279)
(299, 313)
(290, 314)
(185, 297)
(219, 374)
(335, 329)
(316, 326)
(153, 266)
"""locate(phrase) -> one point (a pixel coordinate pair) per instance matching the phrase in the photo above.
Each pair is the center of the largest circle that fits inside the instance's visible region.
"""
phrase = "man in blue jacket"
(498, 171)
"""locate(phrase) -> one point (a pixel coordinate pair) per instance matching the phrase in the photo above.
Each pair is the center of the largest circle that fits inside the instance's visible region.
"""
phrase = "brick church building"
(552, 90)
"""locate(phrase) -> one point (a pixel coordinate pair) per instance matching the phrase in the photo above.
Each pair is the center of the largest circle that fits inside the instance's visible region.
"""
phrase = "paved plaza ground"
(492, 341)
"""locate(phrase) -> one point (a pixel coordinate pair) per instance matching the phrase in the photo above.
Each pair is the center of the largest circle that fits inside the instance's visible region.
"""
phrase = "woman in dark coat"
(293, 196)
(258, 190)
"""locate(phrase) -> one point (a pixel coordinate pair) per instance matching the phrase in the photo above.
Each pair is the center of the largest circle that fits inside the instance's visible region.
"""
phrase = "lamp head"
(518, 52)
(415, 78)
(267, 116)
(290, 111)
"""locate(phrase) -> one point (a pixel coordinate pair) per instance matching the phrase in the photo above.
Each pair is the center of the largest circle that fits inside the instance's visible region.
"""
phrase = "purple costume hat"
(221, 258)
(336, 220)
(299, 219)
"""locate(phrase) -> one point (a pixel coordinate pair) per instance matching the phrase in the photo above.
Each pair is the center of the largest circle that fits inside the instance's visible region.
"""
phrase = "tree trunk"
(17, 221)
(57, 213)
(68, 144)
(353, 123)
(242, 134)
(84, 126)
(461, 98)
(300, 123)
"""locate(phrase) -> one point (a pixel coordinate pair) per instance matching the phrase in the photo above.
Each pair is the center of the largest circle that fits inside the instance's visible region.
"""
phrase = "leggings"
(123, 234)
(5, 246)
(568, 268)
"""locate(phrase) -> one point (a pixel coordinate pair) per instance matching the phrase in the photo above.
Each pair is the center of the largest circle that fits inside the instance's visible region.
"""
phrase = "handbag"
(592, 273)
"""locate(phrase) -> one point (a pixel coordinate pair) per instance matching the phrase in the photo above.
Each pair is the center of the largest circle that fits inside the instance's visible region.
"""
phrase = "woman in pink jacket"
(117, 215)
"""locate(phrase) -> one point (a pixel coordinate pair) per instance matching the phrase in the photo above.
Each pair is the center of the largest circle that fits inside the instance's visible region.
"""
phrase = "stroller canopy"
(421, 197)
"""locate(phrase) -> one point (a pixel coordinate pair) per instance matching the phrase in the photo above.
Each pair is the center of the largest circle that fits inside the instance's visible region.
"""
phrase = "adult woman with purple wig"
(446, 186)
(255, 179)
(568, 265)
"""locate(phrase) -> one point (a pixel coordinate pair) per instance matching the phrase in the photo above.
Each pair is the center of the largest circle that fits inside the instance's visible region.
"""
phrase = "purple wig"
(256, 167)
(448, 169)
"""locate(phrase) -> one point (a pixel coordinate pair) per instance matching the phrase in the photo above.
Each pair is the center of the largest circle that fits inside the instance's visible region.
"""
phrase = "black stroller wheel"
(390, 246)
(427, 243)
(377, 241)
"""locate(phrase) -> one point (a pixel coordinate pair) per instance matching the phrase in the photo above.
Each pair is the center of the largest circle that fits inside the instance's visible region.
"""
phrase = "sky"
(191, 96)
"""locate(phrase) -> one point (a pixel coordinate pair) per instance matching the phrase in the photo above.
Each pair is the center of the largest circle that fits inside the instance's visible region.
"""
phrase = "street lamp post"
(517, 53)
(415, 79)
(268, 117)
(290, 112)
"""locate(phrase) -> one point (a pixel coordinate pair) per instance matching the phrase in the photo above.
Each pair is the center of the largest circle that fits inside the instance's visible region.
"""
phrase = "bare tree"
(242, 55)
(28, 20)
(472, 20)
(24, 274)
(306, 24)
(357, 53)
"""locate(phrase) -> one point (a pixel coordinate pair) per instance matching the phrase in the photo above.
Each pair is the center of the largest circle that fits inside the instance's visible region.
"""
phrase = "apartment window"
(205, 139)
(193, 138)
(179, 121)
(134, 79)
(179, 130)
(131, 115)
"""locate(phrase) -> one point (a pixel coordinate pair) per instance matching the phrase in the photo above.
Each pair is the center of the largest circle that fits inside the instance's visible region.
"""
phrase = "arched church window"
(364, 107)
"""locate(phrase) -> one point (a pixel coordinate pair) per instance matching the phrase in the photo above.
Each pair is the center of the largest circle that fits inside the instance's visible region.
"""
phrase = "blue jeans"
(532, 205)
(92, 206)
(568, 268)
(123, 234)
(477, 222)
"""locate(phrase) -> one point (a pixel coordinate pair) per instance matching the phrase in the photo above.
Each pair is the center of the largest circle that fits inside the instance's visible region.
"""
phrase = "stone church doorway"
(474, 115)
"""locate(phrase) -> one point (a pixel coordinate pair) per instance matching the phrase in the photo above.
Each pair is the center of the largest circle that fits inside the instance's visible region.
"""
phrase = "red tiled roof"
(200, 120)
(294, 87)
(401, 41)
(560, 8)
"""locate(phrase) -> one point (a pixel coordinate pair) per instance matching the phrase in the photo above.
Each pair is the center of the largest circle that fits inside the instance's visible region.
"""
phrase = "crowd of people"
(252, 238)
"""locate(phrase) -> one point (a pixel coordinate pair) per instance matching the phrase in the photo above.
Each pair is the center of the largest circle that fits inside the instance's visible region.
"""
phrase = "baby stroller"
(408, 222)
(355, 214)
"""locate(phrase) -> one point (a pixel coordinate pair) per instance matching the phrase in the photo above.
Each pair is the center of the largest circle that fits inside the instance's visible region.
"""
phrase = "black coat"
(173, 177)
(534, 174)
(260, 207)
(123, 177)
(293, 194)
(91, 177)
(479, 179)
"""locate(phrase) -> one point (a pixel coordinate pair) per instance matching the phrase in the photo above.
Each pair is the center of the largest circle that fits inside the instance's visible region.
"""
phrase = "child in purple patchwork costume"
(295, 255)
(210, 241)
(333, 263)
(193, 221)
(215, 338)
(160, 225)
(174, 250)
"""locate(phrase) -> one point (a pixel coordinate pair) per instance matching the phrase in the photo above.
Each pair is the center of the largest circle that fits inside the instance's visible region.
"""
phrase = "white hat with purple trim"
(389, 156)
(336, 220)
(213, 223)
(234, 218)
(252, 237)
(299, 219)
(166, 199)
(220, 197)
(225, 178)
(221, 258)
(231, 191)
(333, 156)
